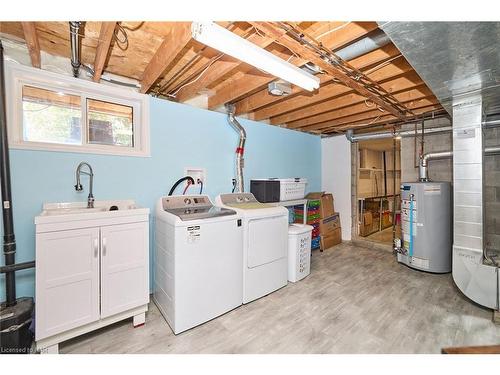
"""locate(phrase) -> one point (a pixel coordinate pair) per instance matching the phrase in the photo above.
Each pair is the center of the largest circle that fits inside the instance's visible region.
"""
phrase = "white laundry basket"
(299, 251)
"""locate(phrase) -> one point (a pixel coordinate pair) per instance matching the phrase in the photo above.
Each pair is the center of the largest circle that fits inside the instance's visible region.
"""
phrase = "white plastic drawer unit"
(90, 272)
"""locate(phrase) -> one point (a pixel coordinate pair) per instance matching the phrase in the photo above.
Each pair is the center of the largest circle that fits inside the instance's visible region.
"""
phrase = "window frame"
(18, 76)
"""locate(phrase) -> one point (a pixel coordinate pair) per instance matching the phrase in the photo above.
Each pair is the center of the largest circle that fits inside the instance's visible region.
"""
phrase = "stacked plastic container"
(313, 219)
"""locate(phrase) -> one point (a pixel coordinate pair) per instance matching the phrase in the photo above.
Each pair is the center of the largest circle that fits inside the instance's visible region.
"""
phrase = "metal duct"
(74, 34)
(240, 186)
(406, 133)
(371, 42)
(424, 161)
(452, 58)
(489, 123)
(474, 278)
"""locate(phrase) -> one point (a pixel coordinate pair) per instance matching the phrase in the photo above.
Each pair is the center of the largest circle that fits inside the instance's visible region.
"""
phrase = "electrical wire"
(200, 182)
(173, 95)
(381, 65)
(275, 41)
(333, 30)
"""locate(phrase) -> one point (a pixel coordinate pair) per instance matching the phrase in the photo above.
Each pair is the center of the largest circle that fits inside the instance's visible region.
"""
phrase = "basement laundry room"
(249, 187)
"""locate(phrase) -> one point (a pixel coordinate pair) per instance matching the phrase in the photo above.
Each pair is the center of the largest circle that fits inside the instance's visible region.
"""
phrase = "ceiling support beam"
(263, 98)
(250, 83)
(172, 45)
(409, 96)
(103, 47)
(307, 54)
(360, 121)
(302, 105)
(31, 38)
(218, 69)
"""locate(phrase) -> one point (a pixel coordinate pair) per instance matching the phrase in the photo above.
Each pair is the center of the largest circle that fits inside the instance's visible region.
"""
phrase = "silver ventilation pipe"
(424, 161)
(240, 186)
(406, 133)
(423, 174)
(371, 42)
(489, 123)
(74, 34)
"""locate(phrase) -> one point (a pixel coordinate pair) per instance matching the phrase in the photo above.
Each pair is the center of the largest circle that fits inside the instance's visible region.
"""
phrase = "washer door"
(267, 240)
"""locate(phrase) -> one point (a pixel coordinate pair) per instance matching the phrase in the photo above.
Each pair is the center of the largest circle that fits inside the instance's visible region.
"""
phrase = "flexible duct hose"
(178, 182)
(239, 150)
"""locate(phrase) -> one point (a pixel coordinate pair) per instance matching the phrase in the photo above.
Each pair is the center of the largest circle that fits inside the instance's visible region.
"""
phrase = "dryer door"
(267, 240)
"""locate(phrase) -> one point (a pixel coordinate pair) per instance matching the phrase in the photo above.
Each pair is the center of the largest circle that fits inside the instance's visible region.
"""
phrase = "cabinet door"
(67, 280)
(124, 267)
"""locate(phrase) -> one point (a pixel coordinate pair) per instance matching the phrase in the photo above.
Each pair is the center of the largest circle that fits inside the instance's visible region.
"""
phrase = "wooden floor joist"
(304, 106)
(307, 54)
(168, 63)
(264, 98)
(31, 37)
(173, 44)
(103, 45)
(357, 106)
(249, 84)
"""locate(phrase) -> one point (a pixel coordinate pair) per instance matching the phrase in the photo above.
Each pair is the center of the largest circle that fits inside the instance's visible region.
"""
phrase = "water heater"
(426, 226)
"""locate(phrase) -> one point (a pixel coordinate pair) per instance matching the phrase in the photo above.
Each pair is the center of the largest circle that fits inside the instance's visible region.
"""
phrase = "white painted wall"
(336, 177)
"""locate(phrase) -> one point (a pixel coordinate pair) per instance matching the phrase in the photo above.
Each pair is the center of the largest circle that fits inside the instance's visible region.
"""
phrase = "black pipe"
(178, 182)
(17, 267)
(9, 239)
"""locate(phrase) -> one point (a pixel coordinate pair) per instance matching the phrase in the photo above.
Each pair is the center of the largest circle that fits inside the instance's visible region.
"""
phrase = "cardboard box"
(329, 224)
(367, 218)
(332, 239)
(326, 208)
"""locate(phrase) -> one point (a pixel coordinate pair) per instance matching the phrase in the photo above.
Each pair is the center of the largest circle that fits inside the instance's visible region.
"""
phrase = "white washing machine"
(265, 244)
(198, 257)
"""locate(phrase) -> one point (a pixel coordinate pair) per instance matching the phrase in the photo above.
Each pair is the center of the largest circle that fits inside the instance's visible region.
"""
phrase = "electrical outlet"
(197, 174)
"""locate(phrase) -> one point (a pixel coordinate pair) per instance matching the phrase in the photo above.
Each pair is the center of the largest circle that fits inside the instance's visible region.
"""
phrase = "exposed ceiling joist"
(407, 95)
(172, 45)
(313, 57)
(302, 105)
(263, 98)
(249, 83)
(219, 69)
(393, 84)
(103, 46)
(31, 38)
(365, 120)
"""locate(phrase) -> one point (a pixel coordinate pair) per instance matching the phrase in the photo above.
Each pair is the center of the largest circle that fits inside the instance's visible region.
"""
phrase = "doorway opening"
(378, 179)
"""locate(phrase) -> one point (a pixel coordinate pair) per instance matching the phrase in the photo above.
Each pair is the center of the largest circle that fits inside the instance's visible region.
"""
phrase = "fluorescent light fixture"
(225, 41)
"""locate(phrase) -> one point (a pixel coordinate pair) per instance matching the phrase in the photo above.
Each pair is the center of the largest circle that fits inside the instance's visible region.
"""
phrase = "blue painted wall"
(181, 136)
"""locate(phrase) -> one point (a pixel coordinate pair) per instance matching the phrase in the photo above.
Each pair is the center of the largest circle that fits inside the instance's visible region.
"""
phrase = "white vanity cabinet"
(92, 269)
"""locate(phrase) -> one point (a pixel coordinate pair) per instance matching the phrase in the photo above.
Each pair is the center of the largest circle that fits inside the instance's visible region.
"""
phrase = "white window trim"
(18, 75)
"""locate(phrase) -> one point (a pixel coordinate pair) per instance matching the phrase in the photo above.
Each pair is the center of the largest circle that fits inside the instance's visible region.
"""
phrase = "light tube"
(223, 40)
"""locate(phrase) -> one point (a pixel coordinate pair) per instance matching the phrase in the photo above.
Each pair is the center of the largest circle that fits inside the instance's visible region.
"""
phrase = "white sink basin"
(71, 211)
(67, 211)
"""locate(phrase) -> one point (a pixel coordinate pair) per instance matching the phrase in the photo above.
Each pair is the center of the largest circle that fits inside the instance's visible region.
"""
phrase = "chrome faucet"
(79, 187)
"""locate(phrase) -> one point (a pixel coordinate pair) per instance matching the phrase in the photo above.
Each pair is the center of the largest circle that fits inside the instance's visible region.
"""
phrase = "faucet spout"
(79, 187)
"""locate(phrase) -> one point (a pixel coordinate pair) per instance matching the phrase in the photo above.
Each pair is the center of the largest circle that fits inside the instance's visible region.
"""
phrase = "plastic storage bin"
(299, 251)
(292, 188)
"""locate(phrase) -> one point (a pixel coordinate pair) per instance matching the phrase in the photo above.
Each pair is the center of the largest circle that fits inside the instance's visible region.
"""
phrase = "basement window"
(47, 111)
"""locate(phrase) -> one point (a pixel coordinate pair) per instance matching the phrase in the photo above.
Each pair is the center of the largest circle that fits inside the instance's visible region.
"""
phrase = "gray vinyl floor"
(356, 300)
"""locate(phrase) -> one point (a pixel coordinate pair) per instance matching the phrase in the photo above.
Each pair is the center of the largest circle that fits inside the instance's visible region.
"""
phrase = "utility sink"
(71, 211)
